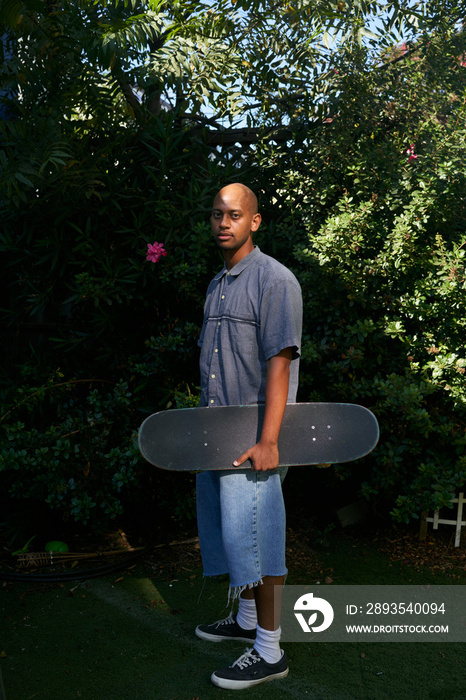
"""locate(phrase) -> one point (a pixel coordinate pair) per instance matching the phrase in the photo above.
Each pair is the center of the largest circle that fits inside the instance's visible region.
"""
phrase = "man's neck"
(233, 258)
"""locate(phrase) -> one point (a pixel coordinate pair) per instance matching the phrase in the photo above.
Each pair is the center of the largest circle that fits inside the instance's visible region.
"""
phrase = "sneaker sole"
(219, 638)
(228, 684)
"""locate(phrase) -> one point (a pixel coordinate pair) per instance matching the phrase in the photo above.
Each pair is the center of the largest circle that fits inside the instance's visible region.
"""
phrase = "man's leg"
(215, 563)
(253, 534)
(268, 597)
(265, 661)
(262, 604)
(258, 606)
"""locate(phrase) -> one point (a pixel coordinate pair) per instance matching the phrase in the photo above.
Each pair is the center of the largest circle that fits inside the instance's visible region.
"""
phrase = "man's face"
(233, 221)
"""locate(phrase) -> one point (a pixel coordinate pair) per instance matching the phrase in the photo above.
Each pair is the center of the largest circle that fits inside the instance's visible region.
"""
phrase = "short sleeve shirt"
(251, 313)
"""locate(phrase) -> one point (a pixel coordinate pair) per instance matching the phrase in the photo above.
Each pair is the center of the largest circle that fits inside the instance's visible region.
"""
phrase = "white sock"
(267, 644)
(247, 614)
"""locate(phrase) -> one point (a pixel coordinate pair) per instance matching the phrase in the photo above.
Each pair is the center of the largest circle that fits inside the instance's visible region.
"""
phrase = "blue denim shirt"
(251, 313)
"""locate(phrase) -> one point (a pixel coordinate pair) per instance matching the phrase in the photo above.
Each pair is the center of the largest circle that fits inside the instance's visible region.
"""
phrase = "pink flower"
(411, 155)
(155, 251)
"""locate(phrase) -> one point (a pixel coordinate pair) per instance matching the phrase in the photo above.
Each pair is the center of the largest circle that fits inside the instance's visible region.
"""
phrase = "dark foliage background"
(364, 200)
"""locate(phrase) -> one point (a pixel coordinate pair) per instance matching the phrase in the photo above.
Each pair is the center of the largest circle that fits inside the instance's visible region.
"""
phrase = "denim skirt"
(242, 525)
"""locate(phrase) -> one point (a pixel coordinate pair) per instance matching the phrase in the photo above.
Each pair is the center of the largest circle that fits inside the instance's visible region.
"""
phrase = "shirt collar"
(239, 267)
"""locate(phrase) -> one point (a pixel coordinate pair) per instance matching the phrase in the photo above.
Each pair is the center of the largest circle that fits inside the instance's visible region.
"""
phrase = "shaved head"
(242, 193)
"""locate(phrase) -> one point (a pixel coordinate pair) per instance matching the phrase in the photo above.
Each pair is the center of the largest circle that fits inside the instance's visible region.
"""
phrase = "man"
(250, 345)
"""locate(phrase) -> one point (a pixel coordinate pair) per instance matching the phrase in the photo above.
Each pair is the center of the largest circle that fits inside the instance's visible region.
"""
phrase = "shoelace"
(247, 659)
(227, 621)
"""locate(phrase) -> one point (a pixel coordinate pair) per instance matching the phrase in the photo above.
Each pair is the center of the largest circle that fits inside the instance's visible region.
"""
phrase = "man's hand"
(262, 456)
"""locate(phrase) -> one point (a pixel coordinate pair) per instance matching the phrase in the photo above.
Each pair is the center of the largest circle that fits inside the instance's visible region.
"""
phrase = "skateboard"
(200, 439)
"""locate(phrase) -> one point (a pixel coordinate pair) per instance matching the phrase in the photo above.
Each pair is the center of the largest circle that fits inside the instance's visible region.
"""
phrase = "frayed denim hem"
(234, 592)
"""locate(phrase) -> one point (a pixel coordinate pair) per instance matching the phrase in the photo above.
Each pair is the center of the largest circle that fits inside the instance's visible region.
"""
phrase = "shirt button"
(216, 350)
(211, 400)
(219, 323)
(223, 296)
(213, 376)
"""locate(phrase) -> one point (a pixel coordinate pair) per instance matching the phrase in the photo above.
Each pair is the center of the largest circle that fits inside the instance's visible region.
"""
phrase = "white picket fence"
(436, 520)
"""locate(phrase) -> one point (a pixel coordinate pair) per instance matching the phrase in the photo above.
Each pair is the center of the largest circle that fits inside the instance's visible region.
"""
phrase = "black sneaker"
(225, 629)
(250, 669)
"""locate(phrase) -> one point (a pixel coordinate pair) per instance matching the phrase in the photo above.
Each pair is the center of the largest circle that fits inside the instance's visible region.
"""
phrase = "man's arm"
(264, 455)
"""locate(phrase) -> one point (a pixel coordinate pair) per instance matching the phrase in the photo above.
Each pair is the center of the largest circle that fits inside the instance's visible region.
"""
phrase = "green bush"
(70, 445)
(366, 205)
(384, 271)
(86, 301)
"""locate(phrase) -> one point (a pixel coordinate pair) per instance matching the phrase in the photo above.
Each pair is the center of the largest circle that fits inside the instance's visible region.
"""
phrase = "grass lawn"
(129, 635)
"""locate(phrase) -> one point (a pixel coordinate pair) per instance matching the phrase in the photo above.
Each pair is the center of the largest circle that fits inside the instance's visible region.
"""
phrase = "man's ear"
(256, 222)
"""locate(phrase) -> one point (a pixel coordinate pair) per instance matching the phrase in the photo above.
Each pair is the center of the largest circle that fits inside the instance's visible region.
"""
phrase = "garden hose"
(96, 572)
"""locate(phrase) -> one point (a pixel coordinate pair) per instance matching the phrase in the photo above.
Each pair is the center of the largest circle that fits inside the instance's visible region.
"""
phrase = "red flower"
(155, 251)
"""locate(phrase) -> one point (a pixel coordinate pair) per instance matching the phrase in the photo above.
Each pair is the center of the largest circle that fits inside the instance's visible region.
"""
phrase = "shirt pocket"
(243, 340)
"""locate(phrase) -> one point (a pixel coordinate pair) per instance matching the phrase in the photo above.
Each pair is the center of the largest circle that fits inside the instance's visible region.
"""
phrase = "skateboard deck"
(199, 439)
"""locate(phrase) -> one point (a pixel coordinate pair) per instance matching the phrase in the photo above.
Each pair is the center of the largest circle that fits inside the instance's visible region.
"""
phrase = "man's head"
(234, 219)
